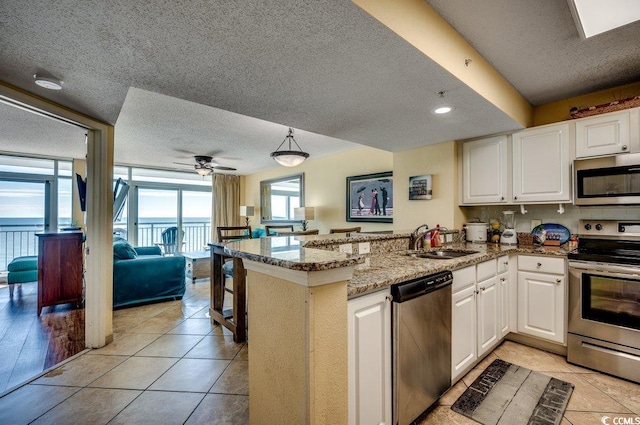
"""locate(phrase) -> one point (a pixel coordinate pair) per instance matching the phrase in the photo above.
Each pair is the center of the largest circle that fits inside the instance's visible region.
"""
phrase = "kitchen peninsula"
(298, 287)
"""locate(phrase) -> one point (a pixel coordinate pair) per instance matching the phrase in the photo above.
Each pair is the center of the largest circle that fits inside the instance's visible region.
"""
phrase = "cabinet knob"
(558, 280)
(503, 279)
(389, 298)
(515, 197)
(482, 288)
(539, 264)
(624, 147)
(502, 198)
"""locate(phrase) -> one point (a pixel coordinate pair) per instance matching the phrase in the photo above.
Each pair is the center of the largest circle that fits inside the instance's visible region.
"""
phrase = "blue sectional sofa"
(142, 275)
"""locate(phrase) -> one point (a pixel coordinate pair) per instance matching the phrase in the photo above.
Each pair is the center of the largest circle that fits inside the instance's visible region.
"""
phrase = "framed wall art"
(370, 198)
(420, 187)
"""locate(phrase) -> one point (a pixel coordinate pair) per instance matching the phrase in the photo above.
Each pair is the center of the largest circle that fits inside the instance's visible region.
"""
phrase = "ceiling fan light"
(289, 158)
(203, 170)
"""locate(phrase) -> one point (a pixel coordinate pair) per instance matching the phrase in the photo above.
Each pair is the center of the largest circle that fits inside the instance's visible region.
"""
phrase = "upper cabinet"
(606, 134)
(542, 164)
(484, 171)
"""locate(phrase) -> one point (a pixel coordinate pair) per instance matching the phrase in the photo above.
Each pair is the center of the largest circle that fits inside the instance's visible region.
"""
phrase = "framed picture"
(420, 187)
(370, 198)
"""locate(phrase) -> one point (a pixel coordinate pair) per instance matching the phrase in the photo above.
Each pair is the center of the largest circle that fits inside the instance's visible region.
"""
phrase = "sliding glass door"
(157, 211)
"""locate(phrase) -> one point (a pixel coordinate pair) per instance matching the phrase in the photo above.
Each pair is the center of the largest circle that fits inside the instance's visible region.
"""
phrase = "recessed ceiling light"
(594, 17)
(443, 110)
(48, 82)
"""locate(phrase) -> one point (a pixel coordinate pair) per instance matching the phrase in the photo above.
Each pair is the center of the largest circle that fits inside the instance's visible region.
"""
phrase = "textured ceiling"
(535, 45)
(323, 67)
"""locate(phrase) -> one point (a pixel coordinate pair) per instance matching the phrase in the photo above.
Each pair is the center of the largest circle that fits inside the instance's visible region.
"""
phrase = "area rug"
(508, 394)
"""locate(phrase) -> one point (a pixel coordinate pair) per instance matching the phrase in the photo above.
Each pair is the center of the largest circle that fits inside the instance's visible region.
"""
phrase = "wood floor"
(30, 344)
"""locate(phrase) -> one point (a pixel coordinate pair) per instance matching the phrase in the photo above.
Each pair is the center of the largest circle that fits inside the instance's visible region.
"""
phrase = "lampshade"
(246, 211)
(304, 213)
(289, 158)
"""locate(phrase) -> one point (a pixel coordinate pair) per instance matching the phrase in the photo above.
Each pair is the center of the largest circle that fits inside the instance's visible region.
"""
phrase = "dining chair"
(346, 230)
(283, 226)
(229, 233)
(300, 232)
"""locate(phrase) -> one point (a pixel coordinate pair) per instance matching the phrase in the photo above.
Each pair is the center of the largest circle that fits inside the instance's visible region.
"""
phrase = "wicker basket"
(617, 105)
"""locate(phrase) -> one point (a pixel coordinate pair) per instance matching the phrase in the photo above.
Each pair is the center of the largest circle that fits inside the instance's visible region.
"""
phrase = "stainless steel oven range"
(604, 298)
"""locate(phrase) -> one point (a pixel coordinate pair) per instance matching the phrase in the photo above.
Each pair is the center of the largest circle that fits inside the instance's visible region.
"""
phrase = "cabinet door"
(484, 169)
(488, 314)
(603, 135)
(463, 331)
(369, 328)
(504, 309)
(542, 164)
(541, 309)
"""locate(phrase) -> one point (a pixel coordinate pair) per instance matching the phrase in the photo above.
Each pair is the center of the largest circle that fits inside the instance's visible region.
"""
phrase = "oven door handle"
(620, 270)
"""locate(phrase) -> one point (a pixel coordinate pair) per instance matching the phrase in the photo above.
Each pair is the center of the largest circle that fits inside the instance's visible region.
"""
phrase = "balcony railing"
(17, 240)
(21, 240)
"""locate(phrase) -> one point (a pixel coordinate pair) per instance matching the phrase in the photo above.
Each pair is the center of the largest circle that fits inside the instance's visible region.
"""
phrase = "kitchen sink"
(441, 254)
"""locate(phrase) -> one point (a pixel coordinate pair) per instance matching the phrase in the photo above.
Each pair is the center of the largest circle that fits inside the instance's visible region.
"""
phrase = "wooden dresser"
(60, 268)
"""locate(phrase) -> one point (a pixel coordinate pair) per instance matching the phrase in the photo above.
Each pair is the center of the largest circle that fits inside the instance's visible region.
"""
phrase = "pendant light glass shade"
(289, 158)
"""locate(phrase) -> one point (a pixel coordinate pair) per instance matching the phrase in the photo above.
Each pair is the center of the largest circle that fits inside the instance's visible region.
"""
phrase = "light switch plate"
(346, 248)
(364, 247)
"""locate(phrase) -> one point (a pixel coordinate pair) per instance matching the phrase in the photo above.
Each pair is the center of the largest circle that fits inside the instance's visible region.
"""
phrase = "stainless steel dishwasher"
(421, 332)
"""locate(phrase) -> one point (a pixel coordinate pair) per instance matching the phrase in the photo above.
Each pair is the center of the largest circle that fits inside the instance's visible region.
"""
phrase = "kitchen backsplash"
(549, 214)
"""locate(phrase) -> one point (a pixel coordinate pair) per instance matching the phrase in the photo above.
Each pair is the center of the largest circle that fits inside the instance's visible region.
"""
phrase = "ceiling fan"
(204, 165)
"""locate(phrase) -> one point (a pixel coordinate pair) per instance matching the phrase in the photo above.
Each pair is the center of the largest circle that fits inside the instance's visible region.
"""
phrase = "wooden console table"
(235, 319)
(60, 268)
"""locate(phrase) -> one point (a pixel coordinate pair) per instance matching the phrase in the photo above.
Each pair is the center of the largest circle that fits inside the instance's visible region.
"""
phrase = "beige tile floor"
(168, 365)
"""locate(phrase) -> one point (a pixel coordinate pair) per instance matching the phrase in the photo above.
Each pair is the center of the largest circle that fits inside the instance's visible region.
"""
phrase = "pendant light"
(289, 158)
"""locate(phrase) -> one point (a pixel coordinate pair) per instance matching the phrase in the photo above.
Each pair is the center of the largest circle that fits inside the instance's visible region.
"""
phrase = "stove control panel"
(609, 228)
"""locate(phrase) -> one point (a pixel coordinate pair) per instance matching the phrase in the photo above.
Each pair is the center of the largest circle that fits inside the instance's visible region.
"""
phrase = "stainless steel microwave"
(610, 180)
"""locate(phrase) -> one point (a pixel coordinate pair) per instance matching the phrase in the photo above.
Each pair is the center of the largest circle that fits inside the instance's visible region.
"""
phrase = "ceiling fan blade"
(221, 168)
(182, 163)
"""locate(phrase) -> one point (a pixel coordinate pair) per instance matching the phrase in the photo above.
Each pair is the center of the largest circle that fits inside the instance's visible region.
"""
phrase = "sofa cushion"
(122, 250)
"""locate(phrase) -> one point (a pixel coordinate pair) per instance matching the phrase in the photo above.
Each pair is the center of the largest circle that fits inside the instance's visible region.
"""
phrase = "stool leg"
(11, 290)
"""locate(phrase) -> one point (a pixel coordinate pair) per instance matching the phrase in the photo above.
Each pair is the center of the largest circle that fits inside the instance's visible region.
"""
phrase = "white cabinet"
(484, 171)
(504, 292)
(369, 381)
(542, 164)
(542, 297)
(605, 134)
(464, 328)
(477, 309)
(488, 311)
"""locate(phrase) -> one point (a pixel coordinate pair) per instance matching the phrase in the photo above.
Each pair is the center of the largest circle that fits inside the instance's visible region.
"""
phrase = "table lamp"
(246, 211)
(305, 214)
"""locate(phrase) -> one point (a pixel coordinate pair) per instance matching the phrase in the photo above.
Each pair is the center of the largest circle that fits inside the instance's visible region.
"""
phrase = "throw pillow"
(122, 250)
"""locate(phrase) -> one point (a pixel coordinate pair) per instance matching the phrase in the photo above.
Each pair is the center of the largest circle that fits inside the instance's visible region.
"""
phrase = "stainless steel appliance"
(604, 298)
(610, 180)
(421, 331)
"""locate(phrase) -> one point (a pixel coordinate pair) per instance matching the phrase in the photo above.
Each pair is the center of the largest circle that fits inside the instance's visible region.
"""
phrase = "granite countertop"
(380, 271)
(372, 272)
(287, 252)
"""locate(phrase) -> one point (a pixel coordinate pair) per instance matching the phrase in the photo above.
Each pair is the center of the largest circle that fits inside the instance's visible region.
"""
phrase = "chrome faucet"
(416, 236)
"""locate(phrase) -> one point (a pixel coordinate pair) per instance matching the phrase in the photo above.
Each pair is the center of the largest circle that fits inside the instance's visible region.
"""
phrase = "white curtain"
(226, 202)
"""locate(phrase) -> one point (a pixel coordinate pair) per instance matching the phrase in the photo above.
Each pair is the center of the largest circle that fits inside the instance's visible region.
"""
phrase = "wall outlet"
(364, 248)
(346, 248)
(535, 222)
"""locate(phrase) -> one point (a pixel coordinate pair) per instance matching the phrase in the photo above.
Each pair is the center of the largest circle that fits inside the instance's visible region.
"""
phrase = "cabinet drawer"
(463, 278)
(541, 264)
(503, 264)
(486, 270)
